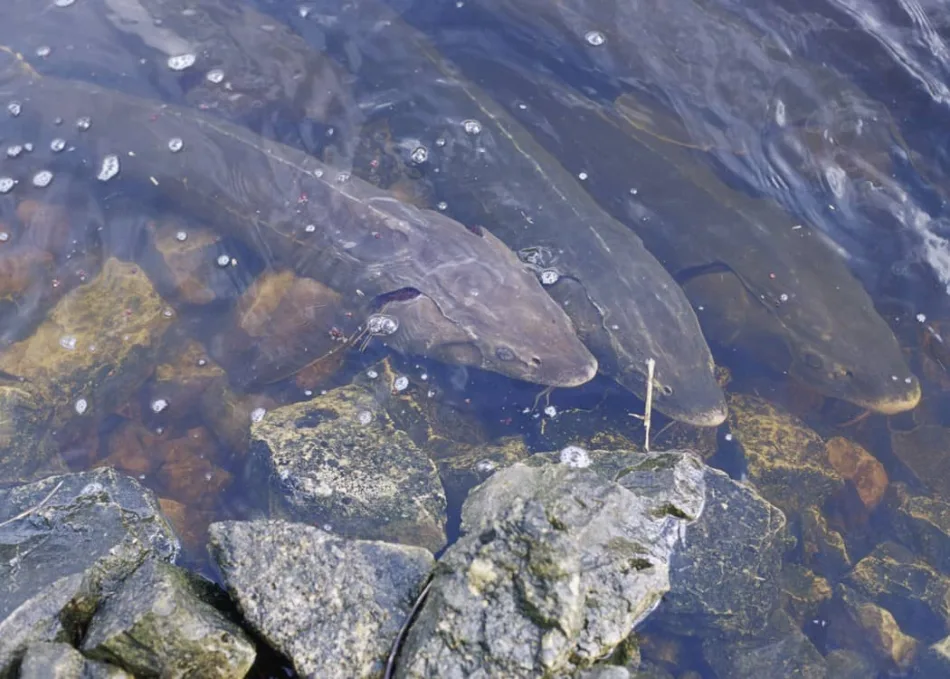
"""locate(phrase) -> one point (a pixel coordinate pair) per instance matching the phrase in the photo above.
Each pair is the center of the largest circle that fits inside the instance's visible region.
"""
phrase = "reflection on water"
(210, 210)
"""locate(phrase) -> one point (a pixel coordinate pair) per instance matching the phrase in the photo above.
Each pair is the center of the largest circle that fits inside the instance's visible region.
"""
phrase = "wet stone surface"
(56, 569)
(361, 476)
(518, 594)
(48, 660)
(157, 625)
(332, 605)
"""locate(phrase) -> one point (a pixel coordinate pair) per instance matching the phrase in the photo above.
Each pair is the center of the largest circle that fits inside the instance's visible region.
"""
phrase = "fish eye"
(504, 354)
(813, 360)
(666, 390)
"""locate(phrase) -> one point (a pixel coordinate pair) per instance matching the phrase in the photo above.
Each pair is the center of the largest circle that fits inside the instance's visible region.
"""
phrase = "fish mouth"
(572, 375)
(706, 418)
(893, 405)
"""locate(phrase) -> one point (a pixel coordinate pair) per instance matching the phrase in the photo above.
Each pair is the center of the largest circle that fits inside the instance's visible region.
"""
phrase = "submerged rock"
(338, 460)
(157, 625)
(333, 606)
(727, 591)
(95, 349)
(861, 625)
(556, 566)
(922, 523)
(79, 535)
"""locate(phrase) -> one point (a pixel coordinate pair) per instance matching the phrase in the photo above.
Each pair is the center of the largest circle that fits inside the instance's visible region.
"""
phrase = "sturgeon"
(761, 281)
(436, 288)
(470, 158)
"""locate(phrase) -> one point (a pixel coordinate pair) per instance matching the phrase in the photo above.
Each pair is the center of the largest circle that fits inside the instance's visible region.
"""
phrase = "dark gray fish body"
(760, 281)
(455, 295)
(474, 161)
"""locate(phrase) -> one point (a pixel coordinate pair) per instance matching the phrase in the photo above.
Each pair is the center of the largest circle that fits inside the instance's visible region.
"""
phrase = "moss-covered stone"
(338, 460)
(922, 523)
(156, 625)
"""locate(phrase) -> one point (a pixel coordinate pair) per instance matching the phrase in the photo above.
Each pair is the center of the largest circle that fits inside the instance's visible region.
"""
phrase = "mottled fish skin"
(364, 243)
(487, 169)
(792, 302)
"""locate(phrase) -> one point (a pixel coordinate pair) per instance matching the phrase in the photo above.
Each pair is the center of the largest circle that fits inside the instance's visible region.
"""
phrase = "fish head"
(477, 306)
(828, 337)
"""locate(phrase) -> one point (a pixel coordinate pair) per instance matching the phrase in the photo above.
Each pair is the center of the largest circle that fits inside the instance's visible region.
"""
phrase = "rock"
(182, 377)
(157, 625)
(334, 606)
(781, 651)
(861, 625)
(604, 672)
(338, 460)
(922, 523)
(803, 593)
(934, 661)
(61, 661)
(824, 548)
(95, 349)
(857, 466)
(845, 664)
(788, 463)
(924, 451)
(555, 568)
(727, 591)
(917, 595)
(60, 560)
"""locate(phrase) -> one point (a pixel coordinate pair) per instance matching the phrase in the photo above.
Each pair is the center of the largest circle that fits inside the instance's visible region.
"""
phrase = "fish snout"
(569, 365)
(904, 395)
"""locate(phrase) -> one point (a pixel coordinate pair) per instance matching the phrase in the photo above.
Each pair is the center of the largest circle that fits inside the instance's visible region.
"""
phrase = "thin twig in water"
(34, 508)
(648, 410)
(397, 644)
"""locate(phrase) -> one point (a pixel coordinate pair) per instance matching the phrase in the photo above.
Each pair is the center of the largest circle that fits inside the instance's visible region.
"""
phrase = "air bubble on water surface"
(442, 205)
(14, 150)
(4, 236)
(68, 342)
(14, 108)
(419, 155)
(440, 142)
(6, 184)
(215, 75)
(549, 277)
(223, 260)
(158, 405)
(202, 362)
(303, 12)
(783, 297)
(595, 38)
(168, 312)
(81, 406)
(43, 51)
(365, 417)
(550, 411)
(57, 145)
(181, 61)
(471, 126)
(258, 414)
(780, 113)
(485, 466)
(380, 324)
(575, 456)
(84, 123)
(28, 147)
(372, 374)
(63, 3)
(401, 383)
(343, 177)
(181, 236)
(175, 144)
(42, 179)
(109, 168)
(318, 173)
(310, 228)
(582, 176)
(921, 318)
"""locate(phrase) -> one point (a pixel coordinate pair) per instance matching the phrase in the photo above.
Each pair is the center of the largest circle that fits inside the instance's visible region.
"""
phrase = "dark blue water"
(836, 112)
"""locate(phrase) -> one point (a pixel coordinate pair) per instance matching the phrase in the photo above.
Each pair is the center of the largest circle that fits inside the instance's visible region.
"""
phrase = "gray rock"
(555, 568)
(714, 590)
(47, 660)
(604, 672)
(52, 661)
(922, 523)
(332, 605)
(58, 561)
(339, 460)
(934, 661)
(157, 626)
(846, 664)
(782, 650)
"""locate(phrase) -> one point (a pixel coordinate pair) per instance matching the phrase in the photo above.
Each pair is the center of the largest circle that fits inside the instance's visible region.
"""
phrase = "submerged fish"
(436, 288)
(475, 162)
(759, 280)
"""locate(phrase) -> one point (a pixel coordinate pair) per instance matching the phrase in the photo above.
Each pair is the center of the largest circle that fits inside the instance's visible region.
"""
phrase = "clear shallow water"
(837, 111)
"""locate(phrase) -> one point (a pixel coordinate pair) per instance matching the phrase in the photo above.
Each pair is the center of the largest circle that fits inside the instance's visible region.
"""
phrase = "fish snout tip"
(906, 400)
